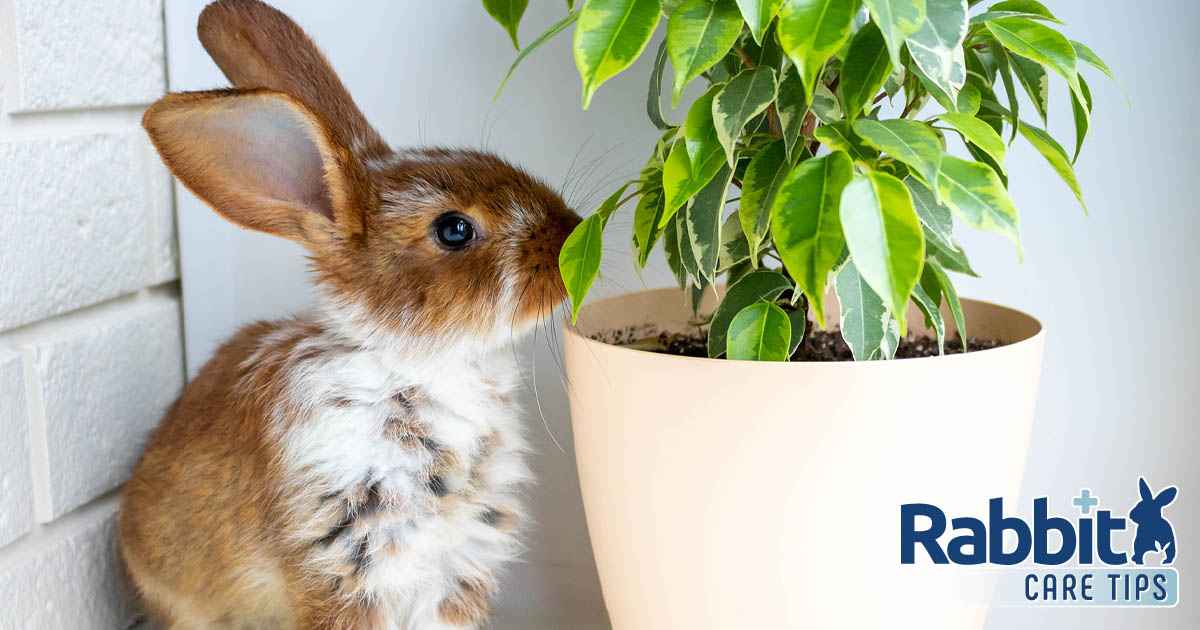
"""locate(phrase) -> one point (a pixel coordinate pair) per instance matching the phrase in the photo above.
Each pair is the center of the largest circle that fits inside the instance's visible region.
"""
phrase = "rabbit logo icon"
(1154, 531)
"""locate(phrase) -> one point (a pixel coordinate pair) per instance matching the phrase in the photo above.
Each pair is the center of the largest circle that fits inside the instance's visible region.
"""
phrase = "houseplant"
(858, 134)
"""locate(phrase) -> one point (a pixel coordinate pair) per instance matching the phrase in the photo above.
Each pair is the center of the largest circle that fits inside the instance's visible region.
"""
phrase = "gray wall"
(1114, 289)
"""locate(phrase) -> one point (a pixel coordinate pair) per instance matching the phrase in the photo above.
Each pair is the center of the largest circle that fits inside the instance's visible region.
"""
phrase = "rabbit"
(358, 467)
(1154, 533)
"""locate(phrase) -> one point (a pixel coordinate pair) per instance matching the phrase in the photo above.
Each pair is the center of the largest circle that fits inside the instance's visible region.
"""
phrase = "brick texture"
(72, 54)
(16, 491)
(91, 348)
(75, 227)
(103, 390)
(75, 583)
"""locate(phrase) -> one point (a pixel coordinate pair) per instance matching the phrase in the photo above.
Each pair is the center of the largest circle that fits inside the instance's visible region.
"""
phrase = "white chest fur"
(405, 474)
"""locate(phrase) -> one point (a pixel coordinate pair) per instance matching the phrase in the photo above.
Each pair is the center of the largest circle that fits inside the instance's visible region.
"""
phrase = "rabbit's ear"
(257, 46)
(1144, 490)
(1166, 496)
(262, 161)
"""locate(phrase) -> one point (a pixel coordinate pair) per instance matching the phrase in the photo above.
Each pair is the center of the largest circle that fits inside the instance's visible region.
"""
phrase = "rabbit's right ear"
(263, 161)
(257, 46)
(1166, 496)
(1144, 490)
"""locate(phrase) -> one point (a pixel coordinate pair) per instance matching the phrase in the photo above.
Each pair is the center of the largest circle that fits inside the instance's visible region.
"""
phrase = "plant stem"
(806, 130)
(745, 58)
(773, 121)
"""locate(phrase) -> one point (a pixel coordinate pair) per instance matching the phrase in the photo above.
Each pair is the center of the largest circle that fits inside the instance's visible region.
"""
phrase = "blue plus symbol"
(1085, 501)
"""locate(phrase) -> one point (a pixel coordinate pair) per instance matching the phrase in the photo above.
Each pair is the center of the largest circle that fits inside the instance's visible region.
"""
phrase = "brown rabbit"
(359, 467)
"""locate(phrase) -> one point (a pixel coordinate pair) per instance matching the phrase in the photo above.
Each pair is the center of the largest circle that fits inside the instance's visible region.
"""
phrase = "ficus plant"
(834, 119)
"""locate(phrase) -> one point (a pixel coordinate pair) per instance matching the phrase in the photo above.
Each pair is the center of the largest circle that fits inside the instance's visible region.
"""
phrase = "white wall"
(1114, 289)
(91, 351)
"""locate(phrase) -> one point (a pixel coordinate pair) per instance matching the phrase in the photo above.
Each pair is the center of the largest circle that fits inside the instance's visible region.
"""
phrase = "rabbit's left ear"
(1166, 496)
(1144, 490)
(263, 161)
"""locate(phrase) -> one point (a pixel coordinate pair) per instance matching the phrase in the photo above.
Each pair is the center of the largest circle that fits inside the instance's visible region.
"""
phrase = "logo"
(1154, 533)
(1058, 560)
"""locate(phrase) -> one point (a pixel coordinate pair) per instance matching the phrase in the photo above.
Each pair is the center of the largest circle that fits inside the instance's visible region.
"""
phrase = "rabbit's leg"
(1170, 549)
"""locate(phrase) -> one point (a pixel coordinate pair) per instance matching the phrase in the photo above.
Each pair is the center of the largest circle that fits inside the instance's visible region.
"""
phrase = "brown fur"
(208, 499)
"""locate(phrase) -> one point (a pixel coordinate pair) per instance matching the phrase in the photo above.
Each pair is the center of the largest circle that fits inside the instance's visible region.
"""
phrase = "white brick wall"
(16, 487)
(91, 349)
(71, 54)
(103, 388)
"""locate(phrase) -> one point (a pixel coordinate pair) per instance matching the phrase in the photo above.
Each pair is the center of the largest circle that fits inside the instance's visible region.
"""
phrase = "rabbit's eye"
(453, 231)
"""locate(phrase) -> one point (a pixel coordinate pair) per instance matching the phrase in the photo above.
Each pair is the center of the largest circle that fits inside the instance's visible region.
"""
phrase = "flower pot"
(743, 495)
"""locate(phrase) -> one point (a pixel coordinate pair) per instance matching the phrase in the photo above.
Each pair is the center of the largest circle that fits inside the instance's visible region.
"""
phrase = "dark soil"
(818, 345)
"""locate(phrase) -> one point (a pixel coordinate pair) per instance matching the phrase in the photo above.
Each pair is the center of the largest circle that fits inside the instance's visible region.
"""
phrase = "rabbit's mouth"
(541, 288)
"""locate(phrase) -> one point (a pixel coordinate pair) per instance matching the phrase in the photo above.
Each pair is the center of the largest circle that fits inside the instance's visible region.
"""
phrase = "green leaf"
(745, 96)
(1004, 68)
(950, 256)
(557, 28)
(579, 260)
(654, 94)
(812, 31)
(760, 332)
(611, 34)
(974, 193)
(699, 128)
(758, 285)
(704, 224)
(1029, 7)
(969, 100)
(735, 249)
(891, 340)
(936, 47)
(686, 255)
(1085, 54)
(647, 217)
(839, 137)
(799, 322)
(808, 226)
(508, 13)
(670, 236)
(570, 5)
(669, 6)
(864, 316)
(981, 67)
(909, 141)
(936, 217)
(791, 107)
(764, 175)
(933, 316)
(758, 15)
(865, 70)
(825, 105)
(977, 133)
(1056, 156)
(952, 301)
(992, 15)
(1082, 115)
(699, 33)
(884, 236)
(679, 182)
(683, 177)
(737, 271)
(1037, 85)
(897, 19)
(1039, 43)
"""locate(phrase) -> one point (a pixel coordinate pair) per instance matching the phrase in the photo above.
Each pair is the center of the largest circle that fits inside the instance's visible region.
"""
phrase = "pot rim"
(1036, 338)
